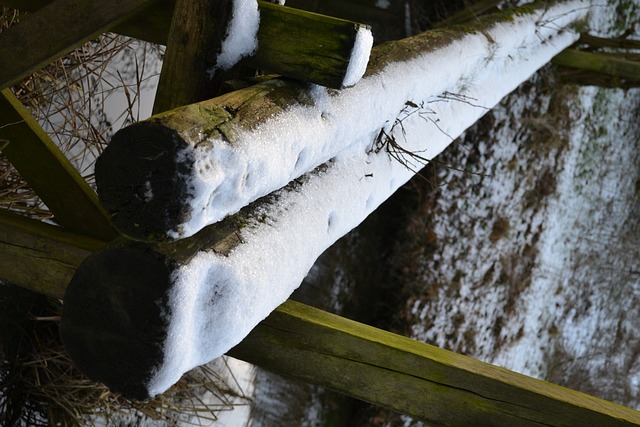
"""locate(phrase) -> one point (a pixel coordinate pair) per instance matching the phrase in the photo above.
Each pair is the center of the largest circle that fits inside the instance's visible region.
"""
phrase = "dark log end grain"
(142, 183)
(114, 319)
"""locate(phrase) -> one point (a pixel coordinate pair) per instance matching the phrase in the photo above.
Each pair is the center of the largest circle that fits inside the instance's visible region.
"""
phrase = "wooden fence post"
(196, 33)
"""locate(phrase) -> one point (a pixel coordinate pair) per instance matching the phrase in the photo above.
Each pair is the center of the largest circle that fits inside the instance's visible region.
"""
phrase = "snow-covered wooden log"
(202, 295)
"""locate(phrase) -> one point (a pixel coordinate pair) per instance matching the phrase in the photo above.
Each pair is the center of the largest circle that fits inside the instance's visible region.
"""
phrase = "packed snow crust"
(421, 105)
(359, 57)
(242, 34)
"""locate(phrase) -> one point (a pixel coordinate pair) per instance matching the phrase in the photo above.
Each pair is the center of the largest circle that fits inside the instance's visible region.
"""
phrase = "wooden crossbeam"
(605, 63)
(38, 256)
(302, 342)
(41, 163)
(439, 386)
(294, 43)
(55, 30)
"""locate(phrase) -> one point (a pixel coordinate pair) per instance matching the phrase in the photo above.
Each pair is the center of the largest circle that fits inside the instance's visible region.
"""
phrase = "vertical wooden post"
(195, 37)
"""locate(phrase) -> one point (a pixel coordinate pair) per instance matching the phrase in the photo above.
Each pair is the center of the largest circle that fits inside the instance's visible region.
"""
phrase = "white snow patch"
(359, 57)
(241, 39)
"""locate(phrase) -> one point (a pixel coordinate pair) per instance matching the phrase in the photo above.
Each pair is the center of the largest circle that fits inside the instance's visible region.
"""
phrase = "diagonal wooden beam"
(439, 386)
(56, 29)
(41, 163)
(303, 342)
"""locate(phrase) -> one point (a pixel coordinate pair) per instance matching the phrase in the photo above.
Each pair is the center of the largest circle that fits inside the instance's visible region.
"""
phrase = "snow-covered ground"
(533, 266)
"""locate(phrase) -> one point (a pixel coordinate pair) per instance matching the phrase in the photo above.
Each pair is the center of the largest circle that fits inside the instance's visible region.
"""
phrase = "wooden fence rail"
(395, 372)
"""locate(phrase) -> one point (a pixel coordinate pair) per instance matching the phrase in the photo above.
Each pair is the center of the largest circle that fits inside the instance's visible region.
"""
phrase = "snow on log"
(171, 175)
(138, 316)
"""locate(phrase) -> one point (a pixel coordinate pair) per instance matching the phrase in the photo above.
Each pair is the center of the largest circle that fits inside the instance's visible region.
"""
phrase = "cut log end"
(114, 318)
(140, 176)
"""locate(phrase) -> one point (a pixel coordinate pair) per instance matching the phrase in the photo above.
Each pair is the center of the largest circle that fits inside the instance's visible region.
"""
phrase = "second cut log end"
(142, 181)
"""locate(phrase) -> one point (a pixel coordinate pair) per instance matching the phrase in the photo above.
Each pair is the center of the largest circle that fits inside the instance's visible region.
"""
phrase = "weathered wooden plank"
(293, 43)
(364, 362)
(55, 30)
(42, 164)
(38, 256)
(600, 63)
(197, 30)
(439, 386)
(305, 46)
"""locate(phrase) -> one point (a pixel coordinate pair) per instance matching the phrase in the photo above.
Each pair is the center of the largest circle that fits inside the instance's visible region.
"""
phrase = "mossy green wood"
(294, 43)
(38, 256)
(396, 372)
(304, 45)
(358, 360)
(621, 43)
(55, 30)
(41, 163)
(600, 63)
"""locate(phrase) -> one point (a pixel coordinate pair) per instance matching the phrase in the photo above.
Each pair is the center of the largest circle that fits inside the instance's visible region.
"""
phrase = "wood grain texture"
(197, 30)
(38, 256)
(438, 386)
(41, 163)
